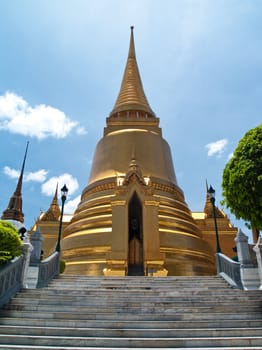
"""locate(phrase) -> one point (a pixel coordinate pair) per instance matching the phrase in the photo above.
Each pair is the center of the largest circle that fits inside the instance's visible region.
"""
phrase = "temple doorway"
(135, 239)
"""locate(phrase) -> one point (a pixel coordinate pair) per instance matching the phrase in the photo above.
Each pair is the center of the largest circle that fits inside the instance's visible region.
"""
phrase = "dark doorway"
(135, 239)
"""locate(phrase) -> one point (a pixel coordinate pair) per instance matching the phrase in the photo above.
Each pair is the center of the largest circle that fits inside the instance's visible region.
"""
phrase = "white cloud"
(70, 206)
(216, 147)
(38, 176)
(48, 188)
(81, 130)
(41, 121)
(12, 173)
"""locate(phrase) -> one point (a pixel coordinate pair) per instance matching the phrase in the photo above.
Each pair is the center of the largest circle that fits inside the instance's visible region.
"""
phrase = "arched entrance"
(135, 237)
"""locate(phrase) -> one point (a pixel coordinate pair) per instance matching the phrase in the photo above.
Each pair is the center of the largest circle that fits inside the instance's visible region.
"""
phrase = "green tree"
(242, 181)
(10, 242)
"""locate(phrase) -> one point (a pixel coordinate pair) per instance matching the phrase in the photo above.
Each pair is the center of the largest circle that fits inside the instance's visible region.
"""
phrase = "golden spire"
(131, 96)
(53, 213)
(14, 209)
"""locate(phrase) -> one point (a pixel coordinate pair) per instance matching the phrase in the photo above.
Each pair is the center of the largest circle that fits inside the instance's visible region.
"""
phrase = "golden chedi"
(132, 218)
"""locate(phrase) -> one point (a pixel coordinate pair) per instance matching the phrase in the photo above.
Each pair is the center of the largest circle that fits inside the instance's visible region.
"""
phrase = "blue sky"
(61, 65)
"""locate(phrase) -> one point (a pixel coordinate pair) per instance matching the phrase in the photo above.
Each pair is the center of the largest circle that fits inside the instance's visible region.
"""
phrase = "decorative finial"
(131, 96)
(133, 155)
(206, 185)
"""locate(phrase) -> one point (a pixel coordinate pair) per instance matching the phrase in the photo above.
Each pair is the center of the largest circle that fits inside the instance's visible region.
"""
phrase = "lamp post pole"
(64, 192)
(211, 192)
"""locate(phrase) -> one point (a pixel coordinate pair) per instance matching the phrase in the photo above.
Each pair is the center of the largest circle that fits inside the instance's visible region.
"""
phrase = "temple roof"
(131, 96)
(208, 209)
(14, 209)
(53, 213)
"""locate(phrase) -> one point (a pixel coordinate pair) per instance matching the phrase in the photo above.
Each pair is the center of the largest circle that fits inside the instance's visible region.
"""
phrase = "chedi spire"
(132, 218)
(131, 96)
(14, 209)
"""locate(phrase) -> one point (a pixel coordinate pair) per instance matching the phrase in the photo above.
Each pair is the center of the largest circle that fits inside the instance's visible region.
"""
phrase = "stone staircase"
(78, 312)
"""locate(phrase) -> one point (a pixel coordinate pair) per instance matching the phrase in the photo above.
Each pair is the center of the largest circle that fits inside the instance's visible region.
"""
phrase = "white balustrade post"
(248, 271)
(243, 252)
(27, 249)
(258, 250)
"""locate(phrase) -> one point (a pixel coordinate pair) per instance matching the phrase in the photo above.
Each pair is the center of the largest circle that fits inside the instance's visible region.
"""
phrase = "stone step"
(133, 342)
(197, 279)
(34, 300)
(180, 297)
(163, 294)
(138, 282)
(128, 280)
(139, 285)
(171, 316)
(122, 302)
(144, 291)
(130, 332)
(102, 289)
(148, 293)
(134, 308)
(145, 297)
(132, 324)
(79, 312)
(36, 347)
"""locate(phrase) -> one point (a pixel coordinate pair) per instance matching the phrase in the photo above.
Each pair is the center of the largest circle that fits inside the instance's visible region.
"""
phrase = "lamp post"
(211, 193)
(64, 192)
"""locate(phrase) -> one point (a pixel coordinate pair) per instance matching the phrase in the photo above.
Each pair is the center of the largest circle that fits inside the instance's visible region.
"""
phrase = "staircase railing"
(229, 270)
(11, 276)
(48, 269)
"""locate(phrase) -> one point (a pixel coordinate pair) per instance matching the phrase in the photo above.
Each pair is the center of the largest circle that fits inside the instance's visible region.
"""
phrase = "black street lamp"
(211, 193)
(64, 192)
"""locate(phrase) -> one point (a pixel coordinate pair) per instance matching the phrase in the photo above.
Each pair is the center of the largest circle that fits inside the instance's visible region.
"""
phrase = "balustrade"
(48, 269)
(229, 269)
(11, 275)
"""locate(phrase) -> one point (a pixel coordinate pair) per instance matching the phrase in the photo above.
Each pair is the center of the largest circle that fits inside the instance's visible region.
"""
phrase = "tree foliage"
(10, 242)
(242, 179)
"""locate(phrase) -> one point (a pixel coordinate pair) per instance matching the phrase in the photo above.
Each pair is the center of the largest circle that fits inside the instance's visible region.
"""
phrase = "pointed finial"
(56, 190)
(133, 155)
(27, 144)
(132, 52)
(20, 180)
(131, 95)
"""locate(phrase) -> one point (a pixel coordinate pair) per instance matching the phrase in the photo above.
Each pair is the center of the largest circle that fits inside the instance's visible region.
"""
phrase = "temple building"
(132, 218)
